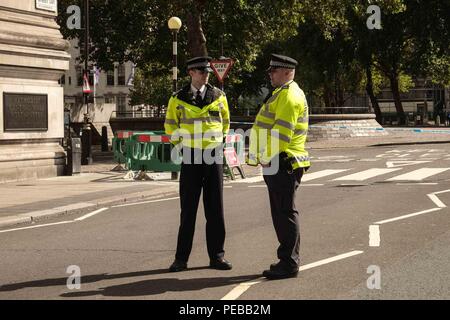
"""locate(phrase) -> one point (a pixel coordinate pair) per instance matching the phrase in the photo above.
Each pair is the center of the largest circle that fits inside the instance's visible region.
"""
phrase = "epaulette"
(176, 93)
(219, 92)
(216, 91)
(286, 86)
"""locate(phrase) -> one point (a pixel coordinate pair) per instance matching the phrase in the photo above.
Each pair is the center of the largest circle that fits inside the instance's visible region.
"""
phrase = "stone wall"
(32, 58)
(323, 127)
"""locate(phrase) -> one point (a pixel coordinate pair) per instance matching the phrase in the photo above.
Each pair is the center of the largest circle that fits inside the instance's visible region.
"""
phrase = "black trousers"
(282, 189)
(194, 178)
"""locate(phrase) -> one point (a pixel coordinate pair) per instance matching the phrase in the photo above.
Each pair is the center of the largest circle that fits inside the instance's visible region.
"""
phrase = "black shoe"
(279, 265)
(177, 266)
(220, 264)
(277, 273)
(274, 266)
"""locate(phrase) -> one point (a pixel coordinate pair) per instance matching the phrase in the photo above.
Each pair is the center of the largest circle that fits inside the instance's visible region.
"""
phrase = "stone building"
(32, 59)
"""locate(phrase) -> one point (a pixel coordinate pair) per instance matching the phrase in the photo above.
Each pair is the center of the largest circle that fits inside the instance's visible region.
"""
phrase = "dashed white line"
(39, 226)
(374, 236)
(91, 214)
(144, 202)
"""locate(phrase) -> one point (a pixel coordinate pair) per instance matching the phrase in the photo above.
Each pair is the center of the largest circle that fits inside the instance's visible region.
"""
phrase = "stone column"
(32, 58)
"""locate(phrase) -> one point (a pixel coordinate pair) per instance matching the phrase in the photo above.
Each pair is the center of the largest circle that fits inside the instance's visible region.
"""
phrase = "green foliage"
(329, 38)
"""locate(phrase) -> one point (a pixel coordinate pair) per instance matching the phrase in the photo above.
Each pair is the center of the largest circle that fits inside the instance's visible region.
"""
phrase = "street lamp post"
(175, 25)
(86, 138)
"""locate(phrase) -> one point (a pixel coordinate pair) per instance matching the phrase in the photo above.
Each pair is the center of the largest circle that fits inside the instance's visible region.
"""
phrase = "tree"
(137, 31)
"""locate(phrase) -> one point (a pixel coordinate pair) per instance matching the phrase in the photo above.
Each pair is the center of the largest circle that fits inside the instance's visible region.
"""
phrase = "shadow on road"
(158, 286)
(140, 288)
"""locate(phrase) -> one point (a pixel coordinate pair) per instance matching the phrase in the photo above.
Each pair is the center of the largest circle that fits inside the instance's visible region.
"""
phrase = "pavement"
(30, 201)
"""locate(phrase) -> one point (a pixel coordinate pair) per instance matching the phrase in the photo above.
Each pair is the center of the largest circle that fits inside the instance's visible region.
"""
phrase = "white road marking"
(39, 226)
(436, 201)
(91, 214)
(416, 184)
(241, 288)
(440, 192)
(366, 174)
(144, 202)
(419, 174)
(258, 186)
(374, 236)
(311, 185)
(250, 180)
(408, 216)
(394, 164)
(321, 174)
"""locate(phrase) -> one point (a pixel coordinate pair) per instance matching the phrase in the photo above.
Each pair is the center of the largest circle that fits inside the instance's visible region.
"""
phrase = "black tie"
(198, 98)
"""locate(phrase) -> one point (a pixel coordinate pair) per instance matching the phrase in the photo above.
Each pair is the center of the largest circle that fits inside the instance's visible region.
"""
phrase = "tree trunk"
(373, 99)
(196, 37)
(396, 94)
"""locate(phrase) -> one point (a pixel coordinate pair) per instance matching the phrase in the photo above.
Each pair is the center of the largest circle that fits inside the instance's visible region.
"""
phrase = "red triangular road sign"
(221, 68)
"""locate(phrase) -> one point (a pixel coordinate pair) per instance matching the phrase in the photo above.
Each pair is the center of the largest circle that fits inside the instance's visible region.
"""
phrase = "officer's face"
(279, 76)
(199, 77)
(276, 76)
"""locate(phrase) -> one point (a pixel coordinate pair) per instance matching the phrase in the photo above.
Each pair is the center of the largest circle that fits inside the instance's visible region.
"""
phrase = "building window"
(109, 99)
(110, 78)
(79, 71)
(121, 105)
(62, 80)
(121, 78)
(70, 81)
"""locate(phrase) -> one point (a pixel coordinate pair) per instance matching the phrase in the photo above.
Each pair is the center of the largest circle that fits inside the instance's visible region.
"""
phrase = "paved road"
(399, 193)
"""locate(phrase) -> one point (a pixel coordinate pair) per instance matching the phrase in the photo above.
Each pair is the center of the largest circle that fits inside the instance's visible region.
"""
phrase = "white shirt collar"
(202, 91)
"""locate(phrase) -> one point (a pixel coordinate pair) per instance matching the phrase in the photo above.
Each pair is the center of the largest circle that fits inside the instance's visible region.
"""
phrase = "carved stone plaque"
(25, 112)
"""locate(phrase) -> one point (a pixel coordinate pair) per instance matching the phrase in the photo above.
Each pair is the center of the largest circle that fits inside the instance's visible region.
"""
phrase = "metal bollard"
(104, 139)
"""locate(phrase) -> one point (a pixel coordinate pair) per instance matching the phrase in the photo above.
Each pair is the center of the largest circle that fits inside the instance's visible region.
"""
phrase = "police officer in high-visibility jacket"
(197, 120)
(277, 142)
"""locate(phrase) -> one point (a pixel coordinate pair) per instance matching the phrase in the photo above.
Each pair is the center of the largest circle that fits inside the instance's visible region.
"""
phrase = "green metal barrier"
(119, 145)
(150, 151)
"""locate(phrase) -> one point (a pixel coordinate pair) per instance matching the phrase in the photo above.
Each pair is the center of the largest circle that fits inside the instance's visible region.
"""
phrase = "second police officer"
(198, 119)
(277, 142)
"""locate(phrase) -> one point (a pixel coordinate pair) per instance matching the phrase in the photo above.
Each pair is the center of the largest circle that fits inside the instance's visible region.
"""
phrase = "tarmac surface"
(33, 200)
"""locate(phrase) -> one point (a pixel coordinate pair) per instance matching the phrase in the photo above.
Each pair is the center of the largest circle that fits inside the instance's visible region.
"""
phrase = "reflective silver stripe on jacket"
(300, 132)
(202, 119)
(281, 136)
(304, 119)
(268, 114)
(171, 122)
(263, 125)
(285, 124)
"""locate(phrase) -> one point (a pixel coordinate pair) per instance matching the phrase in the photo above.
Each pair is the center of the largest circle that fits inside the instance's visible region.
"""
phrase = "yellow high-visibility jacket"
(281, 126)
(196, 126)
